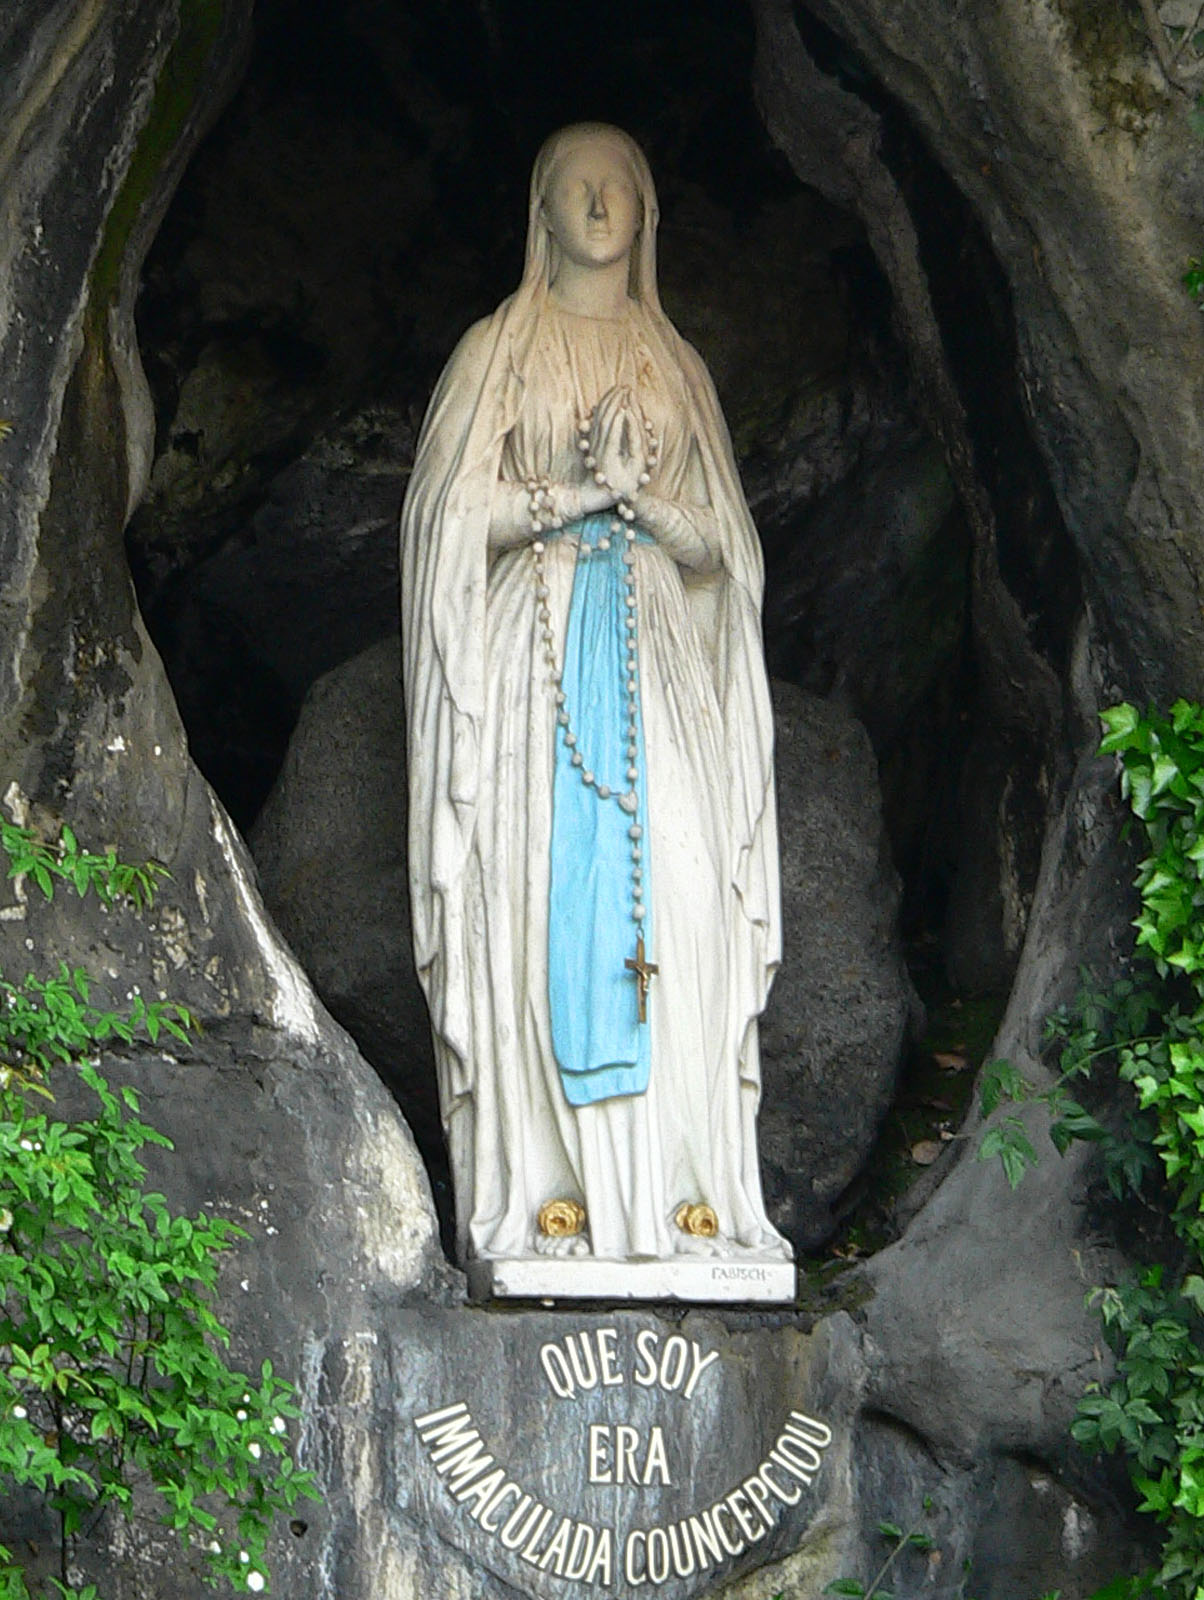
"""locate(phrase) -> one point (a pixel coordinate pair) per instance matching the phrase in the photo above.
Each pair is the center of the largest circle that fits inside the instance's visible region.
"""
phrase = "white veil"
(444, 571)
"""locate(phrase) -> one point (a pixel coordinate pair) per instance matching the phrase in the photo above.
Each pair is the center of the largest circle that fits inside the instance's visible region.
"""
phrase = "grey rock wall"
(951, 1373)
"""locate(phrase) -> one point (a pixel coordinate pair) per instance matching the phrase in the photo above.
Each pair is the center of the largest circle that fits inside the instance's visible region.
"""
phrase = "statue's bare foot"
(692, 1244)
(564, 1246)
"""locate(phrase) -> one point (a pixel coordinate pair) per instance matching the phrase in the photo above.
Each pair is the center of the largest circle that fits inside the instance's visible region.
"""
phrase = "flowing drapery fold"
(481, 758)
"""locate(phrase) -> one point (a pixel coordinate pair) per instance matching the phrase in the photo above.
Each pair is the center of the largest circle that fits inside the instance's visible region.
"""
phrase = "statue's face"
(592, 206)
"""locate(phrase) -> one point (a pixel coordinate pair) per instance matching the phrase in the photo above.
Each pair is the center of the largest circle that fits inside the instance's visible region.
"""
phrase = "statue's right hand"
(617, 441)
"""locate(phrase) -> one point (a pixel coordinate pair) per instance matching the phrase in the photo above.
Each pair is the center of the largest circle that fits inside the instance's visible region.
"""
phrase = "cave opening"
(362, 200)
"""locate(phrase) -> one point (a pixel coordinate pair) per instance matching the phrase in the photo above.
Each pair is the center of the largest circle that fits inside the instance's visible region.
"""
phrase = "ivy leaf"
(1011, 1143)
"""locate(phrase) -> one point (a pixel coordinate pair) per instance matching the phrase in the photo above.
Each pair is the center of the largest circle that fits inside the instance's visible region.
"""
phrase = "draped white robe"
(481, 725)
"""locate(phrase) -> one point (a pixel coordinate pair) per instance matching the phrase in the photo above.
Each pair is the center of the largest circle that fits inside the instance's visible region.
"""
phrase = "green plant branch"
(1151, 1026)
(106, 1323)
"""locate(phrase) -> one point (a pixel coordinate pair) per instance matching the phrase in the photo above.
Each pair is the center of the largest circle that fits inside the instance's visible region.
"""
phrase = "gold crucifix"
(644, 972)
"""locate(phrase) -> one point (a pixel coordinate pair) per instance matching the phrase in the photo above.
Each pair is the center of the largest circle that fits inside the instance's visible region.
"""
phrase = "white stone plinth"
(548, 1278)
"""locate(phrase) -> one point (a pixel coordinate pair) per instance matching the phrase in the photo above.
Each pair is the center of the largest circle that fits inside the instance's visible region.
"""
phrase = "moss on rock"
(176, 90)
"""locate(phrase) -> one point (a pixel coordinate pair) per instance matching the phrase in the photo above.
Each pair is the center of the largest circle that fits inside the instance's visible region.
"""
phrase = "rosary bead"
(633, 773)
(591, 462)
(603, 791)
(635, 832)
(570, 738)
(587, 778)
(538, 547)
(562, 718)
(615, 525)
(637, 912)
(645, 477)
(576, 757)
(603, 544)
(600, 478)
(636, 853)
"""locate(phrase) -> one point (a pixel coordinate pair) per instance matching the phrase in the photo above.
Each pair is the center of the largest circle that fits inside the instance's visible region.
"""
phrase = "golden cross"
(644, 972)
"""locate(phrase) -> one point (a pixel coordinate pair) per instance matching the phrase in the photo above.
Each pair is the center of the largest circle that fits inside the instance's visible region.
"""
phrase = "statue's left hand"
(618, 442)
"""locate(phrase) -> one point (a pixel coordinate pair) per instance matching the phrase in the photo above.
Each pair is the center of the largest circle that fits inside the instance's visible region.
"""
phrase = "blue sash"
(601, 1048)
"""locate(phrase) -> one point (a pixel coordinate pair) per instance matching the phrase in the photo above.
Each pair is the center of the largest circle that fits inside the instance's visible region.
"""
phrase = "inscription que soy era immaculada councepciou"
(596, 1553)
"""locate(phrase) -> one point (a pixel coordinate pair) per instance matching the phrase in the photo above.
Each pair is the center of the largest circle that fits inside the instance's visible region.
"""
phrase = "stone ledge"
(698, 1282)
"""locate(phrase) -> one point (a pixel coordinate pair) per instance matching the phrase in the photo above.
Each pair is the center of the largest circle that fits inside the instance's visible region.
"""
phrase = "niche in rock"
(362, 201)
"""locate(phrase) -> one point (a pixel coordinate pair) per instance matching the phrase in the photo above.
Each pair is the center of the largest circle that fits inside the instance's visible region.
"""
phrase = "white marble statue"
(593, 850)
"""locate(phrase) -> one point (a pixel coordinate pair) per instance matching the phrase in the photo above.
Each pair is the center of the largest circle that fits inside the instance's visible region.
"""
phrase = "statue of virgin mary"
(593, 849)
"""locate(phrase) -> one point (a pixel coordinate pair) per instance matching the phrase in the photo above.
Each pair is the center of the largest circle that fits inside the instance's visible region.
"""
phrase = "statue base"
(550, 1278)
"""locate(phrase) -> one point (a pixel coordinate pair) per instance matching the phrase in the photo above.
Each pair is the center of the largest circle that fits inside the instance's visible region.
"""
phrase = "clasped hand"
(619, 442)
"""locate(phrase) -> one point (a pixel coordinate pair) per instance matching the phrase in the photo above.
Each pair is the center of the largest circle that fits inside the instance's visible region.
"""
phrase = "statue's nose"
(597, 207)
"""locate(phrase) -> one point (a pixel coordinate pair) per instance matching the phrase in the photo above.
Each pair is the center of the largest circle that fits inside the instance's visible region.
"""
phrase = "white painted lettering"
(737, 1504)
(581, 1553)
(496, 1504)
(673, 1368)
(658, 1556)
(581, 1354)
(450, 1435)
(531, 1548)
(800, 1452)
(656, 1459)
(482, 1492)
(460, 1461)
(706, 1539)
(635, 1541)
(556, 1555)
(626, 1440)
(433, 1417)
(556, 1370)
(760, 1497)
(617, 1453)
(818, 1432)
(599, 1453)
(681, 1549)
(604, 1560)
(777, 1456)
(519, 1520)
(606, 1357)
(732, 1549)
(776, 1489)
(699, 1365)
(645, 1346)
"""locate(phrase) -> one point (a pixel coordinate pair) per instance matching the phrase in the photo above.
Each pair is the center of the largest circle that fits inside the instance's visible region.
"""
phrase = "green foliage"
(1149, 1031)
(111, 880)
(898, 1540)
(113, 1387)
